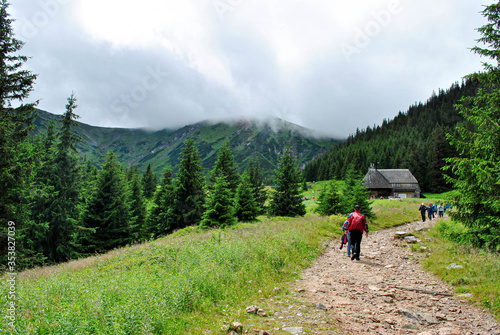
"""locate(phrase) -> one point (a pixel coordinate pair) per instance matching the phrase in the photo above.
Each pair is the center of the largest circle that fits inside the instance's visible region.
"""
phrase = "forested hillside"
(414, 140)
(250, 140)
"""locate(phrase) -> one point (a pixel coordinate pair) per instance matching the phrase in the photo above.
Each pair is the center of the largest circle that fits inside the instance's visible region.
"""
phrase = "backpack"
(357, 222)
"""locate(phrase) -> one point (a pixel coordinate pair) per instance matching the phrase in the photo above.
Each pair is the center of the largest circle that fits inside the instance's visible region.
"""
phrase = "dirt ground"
(387, 292)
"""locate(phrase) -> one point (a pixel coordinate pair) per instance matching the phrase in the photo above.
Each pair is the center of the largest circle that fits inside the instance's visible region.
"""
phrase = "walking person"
(429, 211)
(345, 232)
(441, 211)
(355, 226)
(422, 210)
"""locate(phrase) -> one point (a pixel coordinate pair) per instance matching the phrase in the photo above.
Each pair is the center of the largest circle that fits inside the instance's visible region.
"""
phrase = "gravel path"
(387, 292)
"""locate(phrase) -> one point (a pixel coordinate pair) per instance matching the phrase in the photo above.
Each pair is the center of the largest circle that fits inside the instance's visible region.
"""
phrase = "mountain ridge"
(249, 139)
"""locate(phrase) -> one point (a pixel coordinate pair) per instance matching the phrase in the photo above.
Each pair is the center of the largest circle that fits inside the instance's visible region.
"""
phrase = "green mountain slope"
(249, 139)
(412, 140)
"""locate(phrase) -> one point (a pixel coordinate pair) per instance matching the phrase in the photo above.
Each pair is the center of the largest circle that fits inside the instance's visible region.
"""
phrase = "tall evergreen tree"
(329, 200)
(219, 210)
(189, 195)
(478, 144)
(64, 204)
(286, 200)
(348, 196)
(361, 197)
(16, 161)
(106, 220)
(246, 208)
(257, 181)
(226, 167)
(354, 193)
(137, 208)
(160, 220)
(149, 182)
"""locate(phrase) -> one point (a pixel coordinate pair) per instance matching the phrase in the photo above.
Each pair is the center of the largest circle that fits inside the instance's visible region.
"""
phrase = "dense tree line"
(476, 172)
(413, 140)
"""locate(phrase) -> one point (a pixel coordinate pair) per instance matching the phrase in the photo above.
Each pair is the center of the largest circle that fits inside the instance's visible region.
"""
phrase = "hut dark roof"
(385, 178)
(398, 176)
(376, 180)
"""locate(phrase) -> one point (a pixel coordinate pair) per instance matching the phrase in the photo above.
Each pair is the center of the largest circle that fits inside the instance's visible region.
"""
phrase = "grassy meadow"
(198, 281)
(186, 283)
(477, 275)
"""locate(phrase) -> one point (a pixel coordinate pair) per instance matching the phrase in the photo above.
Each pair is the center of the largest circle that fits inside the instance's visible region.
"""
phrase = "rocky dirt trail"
(386, 292)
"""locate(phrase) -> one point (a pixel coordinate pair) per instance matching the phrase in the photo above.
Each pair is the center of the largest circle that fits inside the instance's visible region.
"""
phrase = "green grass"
(480, 272)
(183, 284)
(195, 281)
(441, 196)
(389, 213)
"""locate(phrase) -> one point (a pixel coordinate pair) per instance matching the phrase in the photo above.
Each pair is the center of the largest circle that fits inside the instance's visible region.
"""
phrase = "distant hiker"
(429, 211)
(422, 210)
(355, 226)
(441, 211)
(345, 232)
(434, 210)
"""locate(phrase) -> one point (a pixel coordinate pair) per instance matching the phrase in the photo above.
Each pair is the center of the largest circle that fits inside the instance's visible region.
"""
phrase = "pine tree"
(160, 220)
(329, 200)
(106, 221)
(258, 188)
(137, 208)
(348, 196)
(286, 200)
(219, 211)
(189, 194)
(478, 145)
(63, 206)
(246, 207)
(361, 197)
(226, 167)
(16, 157)
(354, 193)
(149, 183)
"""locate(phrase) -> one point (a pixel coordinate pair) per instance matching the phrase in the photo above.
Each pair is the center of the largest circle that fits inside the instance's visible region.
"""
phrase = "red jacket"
(357, 221)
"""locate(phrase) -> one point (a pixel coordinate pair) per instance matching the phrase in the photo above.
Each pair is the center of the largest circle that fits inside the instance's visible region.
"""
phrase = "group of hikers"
(353, 233)
(432, 209)
(355, 225)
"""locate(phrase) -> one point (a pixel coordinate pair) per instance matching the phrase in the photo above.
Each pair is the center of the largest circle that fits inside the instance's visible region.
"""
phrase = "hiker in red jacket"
(356, 226)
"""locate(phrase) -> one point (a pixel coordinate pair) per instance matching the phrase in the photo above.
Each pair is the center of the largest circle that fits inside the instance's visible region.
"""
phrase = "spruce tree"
(137, 208)
(286, 200)
(149, 182)
(219, 211)
(329, 200)
(347, 195)
(16, 157)
(361, 197)
(160, 220)
(354, 193)
(63, 205)
(189, 194)
(106, 221)
(226, 167)
(478, 144)
(257, 183)
(245, 205)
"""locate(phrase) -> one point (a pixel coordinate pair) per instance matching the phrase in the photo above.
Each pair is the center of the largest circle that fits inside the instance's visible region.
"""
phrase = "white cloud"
(254, 58)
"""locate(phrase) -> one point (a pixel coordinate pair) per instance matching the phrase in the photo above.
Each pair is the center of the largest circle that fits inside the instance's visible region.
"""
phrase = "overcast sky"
(328, 65)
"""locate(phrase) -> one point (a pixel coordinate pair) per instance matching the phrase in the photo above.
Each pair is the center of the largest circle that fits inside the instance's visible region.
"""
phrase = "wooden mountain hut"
(397, 183)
